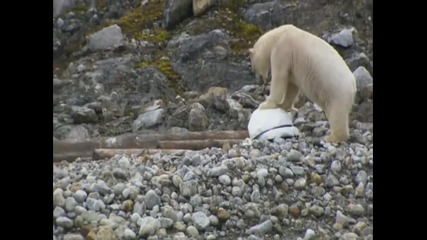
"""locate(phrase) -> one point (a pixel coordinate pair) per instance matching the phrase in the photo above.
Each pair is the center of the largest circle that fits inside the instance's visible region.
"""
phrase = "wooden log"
(103, 153)
(152, 140)
(70, 150)
(197, 144)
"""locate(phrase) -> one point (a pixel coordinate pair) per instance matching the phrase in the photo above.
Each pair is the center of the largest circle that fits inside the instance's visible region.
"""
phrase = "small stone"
(192, 231)
(119, 173)
(341, 218)
(255, 196)
(349, 236)
(217, 171)
(317, 211)
(336, 166)
(58, 212)
(79, 221)
(362, 177)
(127, 205)
(73, 236)
(177, 180)
(214, 221)
(337, 226)
(356, 209)
(316, 178)
(359, 227)
(179, 226)
(70, 204)
(165, 222)
(332, 181)
(297, 170)
(58, 198)
(223, 214)
(188, 188)
(360, 190)
(64, 222)
(119, 188)
(200, 220)
(280, 210)
(211, 237)
(236, 191)
(294, 155)
(262, 228)
(295, 210)
(300, 184)
(262, 173)
(107, 233)
(286, 172)
(309, 234)
(224, 179)
(149, 226)
(128, 234)
(151, 199)
(80, 196)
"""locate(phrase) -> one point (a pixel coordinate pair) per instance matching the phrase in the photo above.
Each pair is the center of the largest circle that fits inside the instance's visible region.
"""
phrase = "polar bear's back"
(317, 67)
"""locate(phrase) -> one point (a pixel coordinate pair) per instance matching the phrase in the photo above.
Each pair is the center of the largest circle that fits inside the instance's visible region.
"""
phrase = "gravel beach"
(285, 189)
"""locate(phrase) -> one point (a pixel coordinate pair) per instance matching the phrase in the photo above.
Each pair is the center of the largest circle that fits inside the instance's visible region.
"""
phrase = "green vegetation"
(230, 18)
(164, 66)
(141, 18)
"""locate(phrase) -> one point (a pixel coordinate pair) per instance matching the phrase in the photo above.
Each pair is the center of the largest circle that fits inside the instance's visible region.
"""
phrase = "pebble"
(151, 199)
(300, 184)
(286, 172)
(58, 212)
(262, 228)
(200, 220)
(192, 231)
(64, 222)
(224, 179)
(148, 226)
(128, 234)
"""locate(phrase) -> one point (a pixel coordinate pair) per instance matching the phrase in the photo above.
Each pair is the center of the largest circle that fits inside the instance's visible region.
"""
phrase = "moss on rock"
(229, 17)
(164, 65)
(142, 18)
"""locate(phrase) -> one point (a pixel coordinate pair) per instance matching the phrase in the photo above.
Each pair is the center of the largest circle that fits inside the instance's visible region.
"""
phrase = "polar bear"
(302, 62)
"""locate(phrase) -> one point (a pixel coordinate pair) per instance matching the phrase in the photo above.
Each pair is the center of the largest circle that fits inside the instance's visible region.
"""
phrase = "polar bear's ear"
(251, 51)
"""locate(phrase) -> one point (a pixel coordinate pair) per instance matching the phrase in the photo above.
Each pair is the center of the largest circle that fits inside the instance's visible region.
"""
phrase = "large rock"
(176, 11)
(358, 60)
(199, 6)
(363, 78)
(215, 98)
(108, 38)
(344, 38)
(202, 62)
(153, 84)
(197, 118)
(60, 6)
(148, 119)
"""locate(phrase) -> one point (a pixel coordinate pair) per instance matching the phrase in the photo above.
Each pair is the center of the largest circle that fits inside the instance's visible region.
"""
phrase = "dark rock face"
(176, 11)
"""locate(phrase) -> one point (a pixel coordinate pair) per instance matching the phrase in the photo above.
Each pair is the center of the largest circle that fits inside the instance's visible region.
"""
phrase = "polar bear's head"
(259, 66)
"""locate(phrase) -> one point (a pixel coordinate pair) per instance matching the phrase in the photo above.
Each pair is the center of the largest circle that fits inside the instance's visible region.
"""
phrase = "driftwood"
(102, 153)
(70, 150)
(197, 144)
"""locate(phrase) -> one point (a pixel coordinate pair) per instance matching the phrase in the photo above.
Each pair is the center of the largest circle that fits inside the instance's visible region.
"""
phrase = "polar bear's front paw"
(292, 109)
(331, 139)
(267, 105)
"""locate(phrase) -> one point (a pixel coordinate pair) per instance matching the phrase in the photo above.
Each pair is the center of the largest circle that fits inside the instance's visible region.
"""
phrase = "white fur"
(301, 61)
